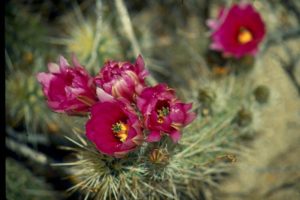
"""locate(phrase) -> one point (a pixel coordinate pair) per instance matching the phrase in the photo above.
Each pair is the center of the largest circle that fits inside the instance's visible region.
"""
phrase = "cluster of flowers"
(124, 111)
(237, 31)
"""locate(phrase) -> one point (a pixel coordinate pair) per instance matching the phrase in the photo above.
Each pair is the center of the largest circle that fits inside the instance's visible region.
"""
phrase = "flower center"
(161, 113)
(120, 130)
(244, 36)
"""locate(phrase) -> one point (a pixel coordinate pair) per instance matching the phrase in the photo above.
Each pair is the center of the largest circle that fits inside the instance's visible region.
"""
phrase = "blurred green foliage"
(22, 184)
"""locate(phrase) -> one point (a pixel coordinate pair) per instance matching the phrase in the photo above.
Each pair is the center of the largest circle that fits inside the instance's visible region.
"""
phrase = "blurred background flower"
(237, 31)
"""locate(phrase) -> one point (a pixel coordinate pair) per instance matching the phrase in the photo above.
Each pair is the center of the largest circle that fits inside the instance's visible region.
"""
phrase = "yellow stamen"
(121, 131)
(244, 36)
(160, 120)
(161, 114)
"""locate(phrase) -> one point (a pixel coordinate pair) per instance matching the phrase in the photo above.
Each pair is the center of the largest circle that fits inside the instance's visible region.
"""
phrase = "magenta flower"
(122, 79)
(114, 128)
(68, 89)
(163, 112)
(237, 31)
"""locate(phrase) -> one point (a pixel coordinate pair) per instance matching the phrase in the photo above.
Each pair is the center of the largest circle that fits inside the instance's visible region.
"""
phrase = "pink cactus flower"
(163, 112)
(237, 31)
(122, 79)
(114, 128)
(68, 89)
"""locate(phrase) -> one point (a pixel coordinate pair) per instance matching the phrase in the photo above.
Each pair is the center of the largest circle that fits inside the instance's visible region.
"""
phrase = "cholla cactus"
(21, 183)
(24, 37)
(90, 39)
(25, 104)
(157, 170)
(135, 147)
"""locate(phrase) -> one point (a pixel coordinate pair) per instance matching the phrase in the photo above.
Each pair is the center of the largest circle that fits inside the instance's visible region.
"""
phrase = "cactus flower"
(116, 133)
(122, 79)
(237, 31)
(163, 112)
(68, 89)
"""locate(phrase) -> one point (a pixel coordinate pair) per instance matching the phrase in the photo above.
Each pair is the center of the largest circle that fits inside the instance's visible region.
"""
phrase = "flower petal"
(63, 63)
(53, 68)
(103, 96)
(154, 136)
(175, 136)
(75, 61)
